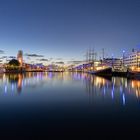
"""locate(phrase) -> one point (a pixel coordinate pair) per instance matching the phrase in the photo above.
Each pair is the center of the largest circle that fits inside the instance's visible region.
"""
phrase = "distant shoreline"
(10, 72)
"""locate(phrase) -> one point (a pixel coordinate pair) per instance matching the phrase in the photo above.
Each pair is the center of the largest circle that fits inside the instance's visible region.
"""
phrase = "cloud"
(12, 57)
(33, 55)
(53, 62)
(61, 62)
(74, 62)
(28, 58)
(1, 51)
(72, 59)
(59, 59)
(50, 59)
(3, 57)
(43, 59)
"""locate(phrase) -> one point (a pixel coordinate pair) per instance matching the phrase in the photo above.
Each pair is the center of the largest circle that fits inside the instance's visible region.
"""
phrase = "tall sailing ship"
(97, 67)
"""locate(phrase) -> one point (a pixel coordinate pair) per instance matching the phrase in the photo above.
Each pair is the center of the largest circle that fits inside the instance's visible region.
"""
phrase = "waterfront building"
(53, 67)
(132, 59)
(115, 63)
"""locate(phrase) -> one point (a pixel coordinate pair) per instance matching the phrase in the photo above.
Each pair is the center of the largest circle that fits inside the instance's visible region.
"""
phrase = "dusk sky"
(67, 28)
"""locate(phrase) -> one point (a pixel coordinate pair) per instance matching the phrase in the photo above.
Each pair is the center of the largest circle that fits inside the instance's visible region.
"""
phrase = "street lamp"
(123, 57)
(112, 60)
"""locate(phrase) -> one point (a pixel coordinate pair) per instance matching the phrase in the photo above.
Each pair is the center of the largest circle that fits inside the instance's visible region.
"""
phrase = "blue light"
(12, 87)
(112, 55)
(112, 94)
(104, 90)
(123, 99)
(50, 75)
(113, 86)
(121, 89)
(5, 88)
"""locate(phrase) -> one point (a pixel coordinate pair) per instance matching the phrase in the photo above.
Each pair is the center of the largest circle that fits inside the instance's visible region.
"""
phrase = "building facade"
(113, 62)
(132, 59)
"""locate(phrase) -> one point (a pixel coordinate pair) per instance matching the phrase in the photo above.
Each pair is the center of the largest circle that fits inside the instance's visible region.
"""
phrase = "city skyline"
(69, 69)
(65, 30)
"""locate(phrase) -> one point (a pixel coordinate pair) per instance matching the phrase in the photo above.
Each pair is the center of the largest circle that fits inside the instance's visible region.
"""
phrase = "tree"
(14, 62)
(13, 65)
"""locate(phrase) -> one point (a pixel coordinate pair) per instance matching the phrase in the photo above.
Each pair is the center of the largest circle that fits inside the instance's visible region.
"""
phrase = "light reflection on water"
(116, 88)
(119, 90)
(75, 103)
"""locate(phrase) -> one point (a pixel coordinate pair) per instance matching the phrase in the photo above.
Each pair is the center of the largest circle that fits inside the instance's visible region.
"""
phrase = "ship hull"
(133, 74)
(120, 74)
(103, 72)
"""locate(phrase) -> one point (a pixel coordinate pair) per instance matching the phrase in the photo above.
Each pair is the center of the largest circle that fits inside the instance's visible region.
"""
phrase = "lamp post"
(123, 57)
(112, 60)
(138, 59)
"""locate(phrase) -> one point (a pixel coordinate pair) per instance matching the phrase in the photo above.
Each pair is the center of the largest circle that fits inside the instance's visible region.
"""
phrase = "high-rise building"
(20, 57)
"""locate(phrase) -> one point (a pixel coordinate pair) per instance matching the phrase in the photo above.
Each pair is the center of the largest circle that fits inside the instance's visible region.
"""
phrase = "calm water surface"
(42, 104)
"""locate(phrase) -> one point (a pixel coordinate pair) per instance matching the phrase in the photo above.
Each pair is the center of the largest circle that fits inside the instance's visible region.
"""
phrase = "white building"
(132, 59)
(113, 62)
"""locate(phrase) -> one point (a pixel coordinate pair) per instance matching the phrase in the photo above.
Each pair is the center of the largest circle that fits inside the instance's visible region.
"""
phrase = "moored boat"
(102, 71)
(134, 73)
(120, 72)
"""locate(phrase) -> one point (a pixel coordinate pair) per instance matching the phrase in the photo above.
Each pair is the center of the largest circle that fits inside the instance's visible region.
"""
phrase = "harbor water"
(57, 104)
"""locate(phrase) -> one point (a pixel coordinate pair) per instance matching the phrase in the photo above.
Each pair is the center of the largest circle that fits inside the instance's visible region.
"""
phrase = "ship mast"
(103, 53)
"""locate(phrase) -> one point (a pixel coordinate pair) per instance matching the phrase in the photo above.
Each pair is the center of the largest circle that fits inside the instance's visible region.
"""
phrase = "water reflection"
(115, 88)
(119, 90)
(14, 79)
(16, 82)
